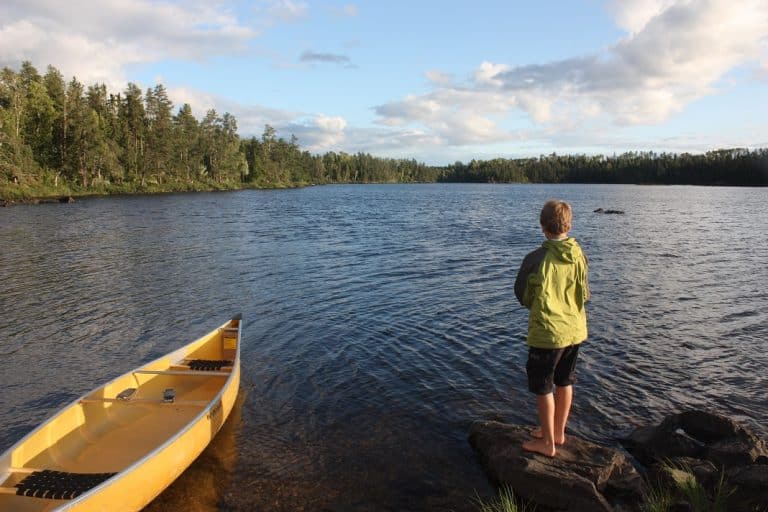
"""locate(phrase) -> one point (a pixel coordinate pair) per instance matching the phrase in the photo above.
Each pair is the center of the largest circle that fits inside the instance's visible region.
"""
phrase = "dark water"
(380, 322)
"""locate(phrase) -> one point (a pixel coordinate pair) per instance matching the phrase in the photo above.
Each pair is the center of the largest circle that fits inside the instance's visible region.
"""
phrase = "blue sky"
(438, 81)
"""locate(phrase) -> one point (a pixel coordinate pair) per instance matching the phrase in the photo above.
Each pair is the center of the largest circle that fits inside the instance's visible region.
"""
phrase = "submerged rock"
(582, 476)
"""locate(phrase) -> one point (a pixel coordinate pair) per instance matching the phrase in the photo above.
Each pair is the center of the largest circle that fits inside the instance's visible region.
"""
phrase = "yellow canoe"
(119, 446)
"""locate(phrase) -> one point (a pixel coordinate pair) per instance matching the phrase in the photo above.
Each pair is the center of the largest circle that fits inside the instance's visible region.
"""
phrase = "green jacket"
(552, 283)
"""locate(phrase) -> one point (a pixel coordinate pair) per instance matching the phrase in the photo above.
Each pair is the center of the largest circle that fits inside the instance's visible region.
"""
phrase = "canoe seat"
(208, 365)
(59, 485)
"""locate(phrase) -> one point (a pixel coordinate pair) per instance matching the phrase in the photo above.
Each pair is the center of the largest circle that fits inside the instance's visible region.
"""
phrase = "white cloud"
(319, 134)
(457, 117)
(488, 73)
(331, 124)
(97, 43)
(675, 52)
(286, 10)
(439, 78)
(347, 10)
(34, 43)
(250, 118)
(393, 143)
(633, 15)
(677, 57)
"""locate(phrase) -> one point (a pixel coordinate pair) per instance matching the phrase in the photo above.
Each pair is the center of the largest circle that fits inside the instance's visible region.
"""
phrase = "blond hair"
(556, 217)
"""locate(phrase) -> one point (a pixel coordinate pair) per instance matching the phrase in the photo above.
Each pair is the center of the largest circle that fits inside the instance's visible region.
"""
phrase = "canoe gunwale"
(215, 401)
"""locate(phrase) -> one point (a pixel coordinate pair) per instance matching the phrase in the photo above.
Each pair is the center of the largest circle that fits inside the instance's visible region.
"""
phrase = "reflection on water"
(380, 322)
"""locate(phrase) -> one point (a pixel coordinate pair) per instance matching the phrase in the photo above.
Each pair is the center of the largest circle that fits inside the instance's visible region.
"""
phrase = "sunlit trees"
(16, 157)
(159, 138)
(185, 143)
(131, 132)
(54, 133)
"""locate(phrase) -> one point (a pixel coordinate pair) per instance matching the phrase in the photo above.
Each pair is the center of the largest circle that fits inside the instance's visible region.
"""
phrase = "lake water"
(380, 322)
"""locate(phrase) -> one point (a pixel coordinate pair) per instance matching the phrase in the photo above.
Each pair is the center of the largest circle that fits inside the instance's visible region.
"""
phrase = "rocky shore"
(63, 199)
(695, 448)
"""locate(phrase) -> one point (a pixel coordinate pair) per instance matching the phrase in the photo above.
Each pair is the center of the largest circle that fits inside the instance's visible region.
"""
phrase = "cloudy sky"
(438, 81)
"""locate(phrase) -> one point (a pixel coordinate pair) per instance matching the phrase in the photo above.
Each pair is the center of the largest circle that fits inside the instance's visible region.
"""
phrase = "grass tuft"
(686, 487)
(657, 500)
(504, 502)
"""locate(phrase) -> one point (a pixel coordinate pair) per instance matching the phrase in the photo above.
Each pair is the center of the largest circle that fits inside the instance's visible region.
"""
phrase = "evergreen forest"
(61, 138)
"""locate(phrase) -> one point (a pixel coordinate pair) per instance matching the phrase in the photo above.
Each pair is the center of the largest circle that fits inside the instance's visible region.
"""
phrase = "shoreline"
(72, 196)
(69, 196)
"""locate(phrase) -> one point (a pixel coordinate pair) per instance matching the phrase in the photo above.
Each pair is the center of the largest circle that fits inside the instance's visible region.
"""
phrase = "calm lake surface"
(380, 322)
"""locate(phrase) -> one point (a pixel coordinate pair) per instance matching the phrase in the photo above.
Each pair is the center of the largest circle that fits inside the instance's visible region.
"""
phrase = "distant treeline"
(59, 137)
(721, 167)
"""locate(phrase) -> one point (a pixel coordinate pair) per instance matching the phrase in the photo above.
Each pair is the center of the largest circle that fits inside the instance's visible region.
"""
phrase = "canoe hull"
(146, 441)
(136, 489)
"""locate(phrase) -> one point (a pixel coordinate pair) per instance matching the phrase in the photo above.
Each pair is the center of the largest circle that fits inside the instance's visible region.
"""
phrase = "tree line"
(736, 167)
(55, 133)
(63, 136)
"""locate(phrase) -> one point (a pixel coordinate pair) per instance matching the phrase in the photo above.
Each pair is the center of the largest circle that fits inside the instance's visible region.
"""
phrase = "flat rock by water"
(582, 476)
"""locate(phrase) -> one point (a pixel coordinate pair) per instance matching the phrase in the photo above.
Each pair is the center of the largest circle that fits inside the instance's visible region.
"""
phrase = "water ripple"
(380, 321)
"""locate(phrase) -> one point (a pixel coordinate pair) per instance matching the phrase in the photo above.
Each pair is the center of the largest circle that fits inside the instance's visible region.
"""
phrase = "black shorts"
(547, 366)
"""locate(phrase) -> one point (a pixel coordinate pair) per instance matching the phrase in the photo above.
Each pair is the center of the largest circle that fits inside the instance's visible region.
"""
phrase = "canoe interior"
(101, 434)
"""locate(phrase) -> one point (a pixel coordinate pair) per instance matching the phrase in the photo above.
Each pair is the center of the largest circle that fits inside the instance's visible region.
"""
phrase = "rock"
(735, 451)
(616, 212)
(583, 475)
(698, 434)
(750, 477)
(681, 506)
(649, 444)
(750, 488)
(67, 199)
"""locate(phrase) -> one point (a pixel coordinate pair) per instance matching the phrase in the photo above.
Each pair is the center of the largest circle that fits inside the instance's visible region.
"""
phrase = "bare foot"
(536, 434)
(540, 447)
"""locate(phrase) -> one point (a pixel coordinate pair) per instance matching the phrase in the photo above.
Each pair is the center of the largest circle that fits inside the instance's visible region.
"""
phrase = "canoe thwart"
(59, 485)
(189, 373)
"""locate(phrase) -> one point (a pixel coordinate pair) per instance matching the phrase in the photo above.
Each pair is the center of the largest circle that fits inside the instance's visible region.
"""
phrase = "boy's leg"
(540, 369)
(563, 397)
(563, 400)
(544, 445)
(565, 376)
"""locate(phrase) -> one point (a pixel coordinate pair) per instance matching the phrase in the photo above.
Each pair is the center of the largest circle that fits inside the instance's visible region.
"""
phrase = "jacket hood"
(567, 250)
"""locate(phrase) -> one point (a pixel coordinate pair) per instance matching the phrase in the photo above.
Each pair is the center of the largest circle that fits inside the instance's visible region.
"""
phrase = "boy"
(552, 284)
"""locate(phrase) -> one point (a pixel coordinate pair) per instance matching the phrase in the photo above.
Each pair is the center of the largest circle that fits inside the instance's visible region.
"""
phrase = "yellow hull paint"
(146, 442)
